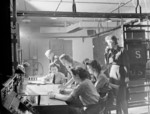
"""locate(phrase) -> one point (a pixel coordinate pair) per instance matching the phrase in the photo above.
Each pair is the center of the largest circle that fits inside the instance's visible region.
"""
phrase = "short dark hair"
(95, 65)
(83, 74)
(66, 57)
(85, 61)
(111, 38)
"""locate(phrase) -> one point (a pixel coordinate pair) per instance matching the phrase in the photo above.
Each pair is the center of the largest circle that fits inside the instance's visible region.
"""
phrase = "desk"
(35, 89)
(42, 90)
(45, 100)
(46, 105)
(60, 109)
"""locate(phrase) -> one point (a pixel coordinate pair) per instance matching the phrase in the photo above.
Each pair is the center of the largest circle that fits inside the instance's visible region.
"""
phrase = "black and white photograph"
(75, 57)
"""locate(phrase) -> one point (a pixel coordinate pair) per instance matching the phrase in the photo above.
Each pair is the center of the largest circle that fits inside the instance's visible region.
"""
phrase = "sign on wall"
(137, 57)
(137, 71)
(137, 54)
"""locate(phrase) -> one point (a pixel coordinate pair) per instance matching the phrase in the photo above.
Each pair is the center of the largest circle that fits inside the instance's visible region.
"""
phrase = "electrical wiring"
(58, 5)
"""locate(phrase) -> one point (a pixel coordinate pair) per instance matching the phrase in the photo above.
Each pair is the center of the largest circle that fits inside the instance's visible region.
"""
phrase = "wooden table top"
(42, 90)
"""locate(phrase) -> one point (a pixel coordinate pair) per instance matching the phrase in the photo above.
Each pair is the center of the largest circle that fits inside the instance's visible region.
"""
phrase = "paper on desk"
(56, 88)
(42, 89)
(36, 82)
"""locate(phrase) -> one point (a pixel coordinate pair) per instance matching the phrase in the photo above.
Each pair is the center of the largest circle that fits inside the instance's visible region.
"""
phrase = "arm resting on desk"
(61, 97)
(58, 96)
(65, 91)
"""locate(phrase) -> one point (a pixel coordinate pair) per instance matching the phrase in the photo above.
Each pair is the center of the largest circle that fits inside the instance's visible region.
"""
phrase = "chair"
(108, 99)
(94, 109)
(97, 108)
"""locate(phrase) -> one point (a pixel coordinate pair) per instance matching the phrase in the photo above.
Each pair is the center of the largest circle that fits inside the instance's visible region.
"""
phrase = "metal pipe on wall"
(14, 36)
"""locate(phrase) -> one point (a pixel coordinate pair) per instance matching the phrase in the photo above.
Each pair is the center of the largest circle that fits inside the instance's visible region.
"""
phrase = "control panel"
(14, 102)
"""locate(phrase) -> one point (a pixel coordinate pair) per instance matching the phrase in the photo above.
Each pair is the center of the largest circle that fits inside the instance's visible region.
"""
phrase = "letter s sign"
(138, 54)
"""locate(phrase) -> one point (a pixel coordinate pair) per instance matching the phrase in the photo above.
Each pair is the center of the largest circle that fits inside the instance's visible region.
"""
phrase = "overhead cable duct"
(101, 33)
(118, 27)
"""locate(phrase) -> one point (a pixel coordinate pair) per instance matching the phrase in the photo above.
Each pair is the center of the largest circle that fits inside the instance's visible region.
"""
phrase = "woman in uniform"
(117, 60)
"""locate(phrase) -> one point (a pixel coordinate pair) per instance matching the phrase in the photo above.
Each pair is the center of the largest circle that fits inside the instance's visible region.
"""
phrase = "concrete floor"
(137, 110)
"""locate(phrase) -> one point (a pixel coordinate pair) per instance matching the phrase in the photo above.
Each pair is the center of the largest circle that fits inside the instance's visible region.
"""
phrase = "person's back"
(102, 83)
(87, 92)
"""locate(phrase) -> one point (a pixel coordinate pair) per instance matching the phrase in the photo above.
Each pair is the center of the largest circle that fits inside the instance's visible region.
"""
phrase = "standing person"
(53, 58)
(116, 57)
(69, 63)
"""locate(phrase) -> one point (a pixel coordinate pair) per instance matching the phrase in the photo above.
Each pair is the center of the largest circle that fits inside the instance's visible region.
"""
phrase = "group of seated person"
(91, 72)
(91, 86)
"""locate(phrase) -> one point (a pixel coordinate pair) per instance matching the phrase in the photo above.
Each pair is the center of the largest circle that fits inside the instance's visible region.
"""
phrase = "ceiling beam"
(81, 14)
(66, 1)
